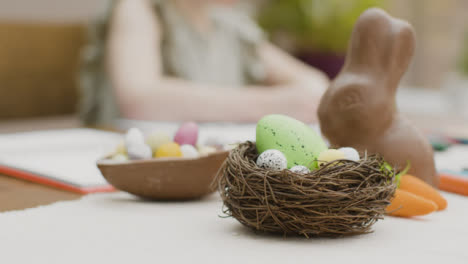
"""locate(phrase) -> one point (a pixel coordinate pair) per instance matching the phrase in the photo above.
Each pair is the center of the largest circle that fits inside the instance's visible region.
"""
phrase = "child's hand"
(299, 102)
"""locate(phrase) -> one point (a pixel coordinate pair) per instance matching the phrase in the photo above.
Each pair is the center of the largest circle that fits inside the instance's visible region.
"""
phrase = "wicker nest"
(341, 198)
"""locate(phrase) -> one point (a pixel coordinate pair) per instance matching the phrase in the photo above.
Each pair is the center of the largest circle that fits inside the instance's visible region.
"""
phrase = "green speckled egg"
(298, 142)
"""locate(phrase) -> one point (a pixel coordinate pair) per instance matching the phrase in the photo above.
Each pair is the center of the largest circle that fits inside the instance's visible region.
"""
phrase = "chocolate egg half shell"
(164, 178)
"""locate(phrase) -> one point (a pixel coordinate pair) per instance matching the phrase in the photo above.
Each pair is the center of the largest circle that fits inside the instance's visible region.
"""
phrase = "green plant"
(463, 63)
(317, 25)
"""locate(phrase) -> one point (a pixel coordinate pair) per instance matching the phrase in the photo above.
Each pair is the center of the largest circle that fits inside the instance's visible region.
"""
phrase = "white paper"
(65, 155)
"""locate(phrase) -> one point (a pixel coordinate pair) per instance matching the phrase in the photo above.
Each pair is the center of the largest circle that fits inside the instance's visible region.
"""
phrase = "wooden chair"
(38, 68)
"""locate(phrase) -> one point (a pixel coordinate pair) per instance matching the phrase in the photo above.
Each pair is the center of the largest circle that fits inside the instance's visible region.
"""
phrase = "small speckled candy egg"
(206, 150)
(187, 134)
(350, 153)
(155, 140)
(189, 151)
(330, 155)
(170, 149)
(139, 151)
(272, 159)
(300, 169)
(134, 136)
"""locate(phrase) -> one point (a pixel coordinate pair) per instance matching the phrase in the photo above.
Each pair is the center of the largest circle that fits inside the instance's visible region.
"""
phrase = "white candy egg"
(350, 153)
(272, 159)
(139, 151)
(206, 150)
(330, 155)
(189, 151)
(230, 146)
(134, 136)
(213, 141)
(300, 169)
(120, 157)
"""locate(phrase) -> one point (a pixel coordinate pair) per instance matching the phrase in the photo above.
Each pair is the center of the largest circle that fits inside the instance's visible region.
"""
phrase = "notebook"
(64, 159)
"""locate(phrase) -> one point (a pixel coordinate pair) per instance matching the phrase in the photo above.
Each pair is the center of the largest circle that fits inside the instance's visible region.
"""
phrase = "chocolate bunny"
(359, 108)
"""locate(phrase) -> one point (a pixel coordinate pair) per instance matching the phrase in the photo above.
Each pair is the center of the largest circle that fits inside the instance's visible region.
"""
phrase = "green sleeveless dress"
(228, 56)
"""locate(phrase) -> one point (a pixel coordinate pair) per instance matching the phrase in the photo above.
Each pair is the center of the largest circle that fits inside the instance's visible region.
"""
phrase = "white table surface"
(119, 228)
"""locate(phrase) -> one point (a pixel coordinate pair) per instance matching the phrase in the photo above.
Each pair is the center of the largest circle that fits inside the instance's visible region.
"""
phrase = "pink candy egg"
(187, 134)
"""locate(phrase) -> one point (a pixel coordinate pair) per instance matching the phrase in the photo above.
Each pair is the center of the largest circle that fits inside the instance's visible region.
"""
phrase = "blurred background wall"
(441, 27)
(40, 41)
(49, 10)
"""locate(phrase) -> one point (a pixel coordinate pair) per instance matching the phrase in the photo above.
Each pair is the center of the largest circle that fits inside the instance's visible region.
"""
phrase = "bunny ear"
(380, 45)
(400, 52)
(367, 39)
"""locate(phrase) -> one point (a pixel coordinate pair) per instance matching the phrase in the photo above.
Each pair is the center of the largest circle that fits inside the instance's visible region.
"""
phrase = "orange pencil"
(452, 183)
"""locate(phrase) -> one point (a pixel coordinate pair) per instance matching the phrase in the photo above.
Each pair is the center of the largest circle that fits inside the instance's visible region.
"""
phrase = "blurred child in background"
(201, 60)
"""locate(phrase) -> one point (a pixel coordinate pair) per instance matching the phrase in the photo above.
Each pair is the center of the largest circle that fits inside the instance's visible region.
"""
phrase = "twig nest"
(341, 198)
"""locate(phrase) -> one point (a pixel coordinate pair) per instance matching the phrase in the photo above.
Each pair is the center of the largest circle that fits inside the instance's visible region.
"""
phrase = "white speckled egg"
(272, 159)
(350, 153)
(139, 151)
(134, 136)
(189, 151)
(300, 169)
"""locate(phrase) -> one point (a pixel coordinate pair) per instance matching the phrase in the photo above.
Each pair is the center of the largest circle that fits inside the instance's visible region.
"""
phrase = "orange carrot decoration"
(416, 186)
(407, 204)
(453, 184)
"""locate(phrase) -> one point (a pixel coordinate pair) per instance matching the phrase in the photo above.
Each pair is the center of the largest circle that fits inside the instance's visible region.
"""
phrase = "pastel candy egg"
(330, 155)
(121, 149)
(272, 159)
(187, 134)
(139, 151)
(119, 157)
(213, 141)
(189, 151)
(134, 136)
(170, 149)
(230, 146)
(157, 139)
(300, 144)
(350, 153)
(300, 169)
(206, 150)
